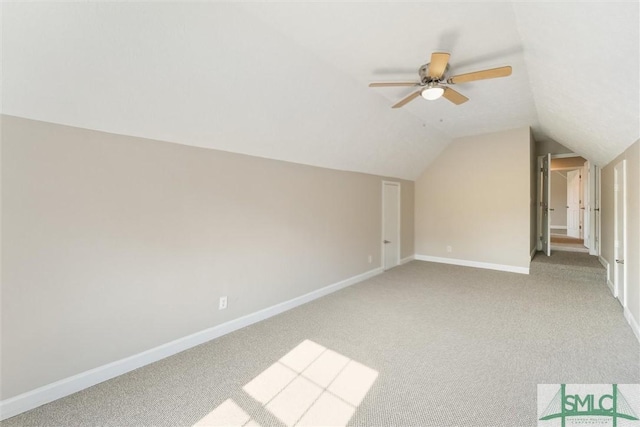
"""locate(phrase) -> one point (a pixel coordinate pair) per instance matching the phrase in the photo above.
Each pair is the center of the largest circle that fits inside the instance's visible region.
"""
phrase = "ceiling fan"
(434, 84)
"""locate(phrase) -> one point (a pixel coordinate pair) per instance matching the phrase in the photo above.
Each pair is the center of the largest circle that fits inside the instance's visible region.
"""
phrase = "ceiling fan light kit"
(434, 83)
(432, 93)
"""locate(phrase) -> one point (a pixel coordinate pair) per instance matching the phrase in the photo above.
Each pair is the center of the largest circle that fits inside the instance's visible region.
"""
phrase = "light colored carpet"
(562, 266)
(575, 259)
(569, 247)
(423, 344)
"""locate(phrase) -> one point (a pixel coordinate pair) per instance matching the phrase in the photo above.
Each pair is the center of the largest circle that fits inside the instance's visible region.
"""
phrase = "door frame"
(399, 212)
(595, 235)
(586, 204)
(595, 190)
(620, 172)
(593, 208)
(544, 179)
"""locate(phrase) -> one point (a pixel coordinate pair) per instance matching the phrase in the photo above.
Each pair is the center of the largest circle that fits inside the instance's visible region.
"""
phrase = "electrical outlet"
(223, 303)
(449, 249)
(370, 259)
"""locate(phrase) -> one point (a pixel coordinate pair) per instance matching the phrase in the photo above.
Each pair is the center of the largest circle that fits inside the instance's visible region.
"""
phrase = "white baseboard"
(604, 262)
(50, 392)
(609, 281)
(632, 322)
(533, 252)
(558, 227)
(407, 259)
(477, 264)
(610, 286)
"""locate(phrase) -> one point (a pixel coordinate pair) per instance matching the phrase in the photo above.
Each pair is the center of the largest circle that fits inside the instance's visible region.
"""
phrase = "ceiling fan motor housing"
(425, 79)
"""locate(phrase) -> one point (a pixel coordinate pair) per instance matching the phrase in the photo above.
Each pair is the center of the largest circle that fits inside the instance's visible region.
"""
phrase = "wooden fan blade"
(454, 96)
(408, 99)
(481, 75)
(393, 84)
(438, 64)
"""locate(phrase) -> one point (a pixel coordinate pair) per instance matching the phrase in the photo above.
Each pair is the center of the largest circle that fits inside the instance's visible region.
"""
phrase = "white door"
(595, 191)
(545, 200)
(586, 204)
(573, 203)
(620, 223)
(390, 224)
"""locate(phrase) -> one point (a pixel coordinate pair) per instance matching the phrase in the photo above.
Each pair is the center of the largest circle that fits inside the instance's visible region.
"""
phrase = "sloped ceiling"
(289, 80)
(584, 65)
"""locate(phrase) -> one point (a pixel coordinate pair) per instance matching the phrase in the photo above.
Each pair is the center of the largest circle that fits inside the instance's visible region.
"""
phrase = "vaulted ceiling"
(289, 80)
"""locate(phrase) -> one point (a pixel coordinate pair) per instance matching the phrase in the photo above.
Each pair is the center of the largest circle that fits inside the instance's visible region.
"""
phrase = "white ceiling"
(289, 80)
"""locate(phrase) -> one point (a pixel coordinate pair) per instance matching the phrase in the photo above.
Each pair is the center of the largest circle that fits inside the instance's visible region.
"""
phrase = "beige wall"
(407, 212)
(476, 198)
(113, 245)
(632, 237)
(550, 146)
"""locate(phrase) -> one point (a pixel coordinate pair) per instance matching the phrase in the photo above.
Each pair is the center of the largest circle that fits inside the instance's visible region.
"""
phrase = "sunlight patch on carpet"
(310, 385)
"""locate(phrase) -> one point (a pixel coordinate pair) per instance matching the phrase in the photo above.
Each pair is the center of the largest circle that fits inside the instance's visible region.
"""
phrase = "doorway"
(569, 203)
(390, 224)
(568, 194)
(555, 247)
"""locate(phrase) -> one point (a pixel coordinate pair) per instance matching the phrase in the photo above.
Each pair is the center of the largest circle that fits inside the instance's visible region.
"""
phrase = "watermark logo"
(561, 405)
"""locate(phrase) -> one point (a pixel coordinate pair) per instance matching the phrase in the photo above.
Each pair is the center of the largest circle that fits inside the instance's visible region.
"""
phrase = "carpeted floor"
(569, 258)
(423, 344)
(569, 247)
